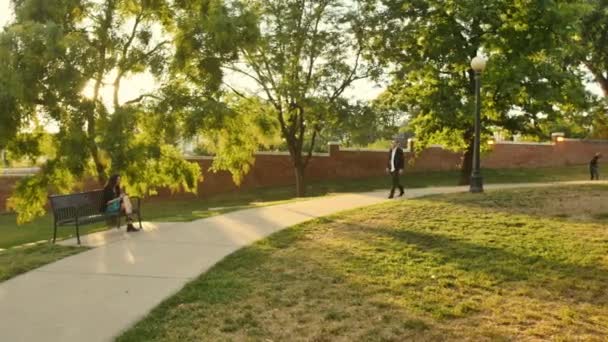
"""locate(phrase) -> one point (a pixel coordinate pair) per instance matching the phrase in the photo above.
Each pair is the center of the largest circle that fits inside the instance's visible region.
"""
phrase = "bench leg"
(54, 231)
(118, 221)
(139, 219)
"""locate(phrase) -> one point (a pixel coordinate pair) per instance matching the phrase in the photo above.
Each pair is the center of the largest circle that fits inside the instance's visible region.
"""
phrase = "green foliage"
(144, 174)
(9, 118)
(360, 123)
(56, 51)
(251, 128)
(600, 123)
(26, 145)
(30, 148)
(430, 45)
(379, 144)
(209, 33)
(572, 125)
(31, 193)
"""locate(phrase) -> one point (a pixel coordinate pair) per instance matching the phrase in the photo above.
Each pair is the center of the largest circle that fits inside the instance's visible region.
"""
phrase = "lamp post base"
(476, 183)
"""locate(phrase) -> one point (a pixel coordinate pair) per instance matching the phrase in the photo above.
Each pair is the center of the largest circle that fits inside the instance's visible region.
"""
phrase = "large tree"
(59, 56)
(308, 53)
(429, 44)
(591, 51)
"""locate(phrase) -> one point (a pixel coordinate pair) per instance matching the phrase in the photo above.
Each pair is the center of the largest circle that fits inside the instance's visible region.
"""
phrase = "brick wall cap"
(533, 143)
(354, 149)
(592, 141)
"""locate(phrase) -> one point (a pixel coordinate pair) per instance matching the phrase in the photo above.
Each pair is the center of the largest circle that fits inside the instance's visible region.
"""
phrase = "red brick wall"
(274, 169)
(561, 153)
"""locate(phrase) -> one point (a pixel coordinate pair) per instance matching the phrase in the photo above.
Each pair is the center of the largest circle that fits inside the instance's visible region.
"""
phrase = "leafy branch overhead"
(64, 64)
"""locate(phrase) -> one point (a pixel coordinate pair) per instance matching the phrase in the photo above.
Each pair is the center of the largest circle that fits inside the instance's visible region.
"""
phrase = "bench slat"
(86, 203)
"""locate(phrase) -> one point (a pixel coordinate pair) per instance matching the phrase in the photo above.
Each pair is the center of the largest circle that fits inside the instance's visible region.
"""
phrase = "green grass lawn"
(20, 260)
(190, 209)
(524, 264)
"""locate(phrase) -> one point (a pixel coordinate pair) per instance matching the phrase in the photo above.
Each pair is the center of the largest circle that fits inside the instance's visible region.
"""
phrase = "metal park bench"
(84, 208)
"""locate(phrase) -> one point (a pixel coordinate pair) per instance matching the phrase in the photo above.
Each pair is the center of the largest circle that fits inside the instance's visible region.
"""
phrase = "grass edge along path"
(18, 260)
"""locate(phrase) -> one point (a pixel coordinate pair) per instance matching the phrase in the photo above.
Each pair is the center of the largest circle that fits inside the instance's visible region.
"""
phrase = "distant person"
(115, 200)
(395, 167)
(594, 167)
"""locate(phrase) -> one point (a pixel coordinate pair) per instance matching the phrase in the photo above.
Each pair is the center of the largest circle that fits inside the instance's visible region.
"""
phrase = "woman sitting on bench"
(115, 200)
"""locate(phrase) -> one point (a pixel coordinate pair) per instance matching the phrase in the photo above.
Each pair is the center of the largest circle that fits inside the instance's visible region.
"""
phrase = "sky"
(5, 11)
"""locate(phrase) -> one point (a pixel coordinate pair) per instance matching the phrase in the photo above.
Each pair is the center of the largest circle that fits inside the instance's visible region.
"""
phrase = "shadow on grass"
(562, 280)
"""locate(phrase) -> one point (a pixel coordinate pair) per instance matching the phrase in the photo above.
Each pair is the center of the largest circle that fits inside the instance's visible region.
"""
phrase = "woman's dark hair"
(113, 181)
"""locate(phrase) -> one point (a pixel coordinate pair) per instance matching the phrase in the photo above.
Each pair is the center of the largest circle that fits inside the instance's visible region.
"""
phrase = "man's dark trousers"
(595, 173)
(394, 166)
(396, 183)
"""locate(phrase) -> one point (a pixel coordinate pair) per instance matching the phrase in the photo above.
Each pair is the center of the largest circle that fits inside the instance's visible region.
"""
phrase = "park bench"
(84, 208)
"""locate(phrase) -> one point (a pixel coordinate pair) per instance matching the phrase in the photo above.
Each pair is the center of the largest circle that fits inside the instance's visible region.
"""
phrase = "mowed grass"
(504, 265)
(188, 209)
(20, 260)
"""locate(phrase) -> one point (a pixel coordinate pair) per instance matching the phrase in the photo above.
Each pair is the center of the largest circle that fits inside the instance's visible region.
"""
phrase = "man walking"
(395, 167)
(594, 167)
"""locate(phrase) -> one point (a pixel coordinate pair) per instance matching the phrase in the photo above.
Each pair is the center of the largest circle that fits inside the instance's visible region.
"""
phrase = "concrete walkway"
(96, 295)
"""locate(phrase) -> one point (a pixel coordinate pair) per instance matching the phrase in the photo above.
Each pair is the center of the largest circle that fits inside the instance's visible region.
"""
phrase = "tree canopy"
(428, 46)
(59, 55)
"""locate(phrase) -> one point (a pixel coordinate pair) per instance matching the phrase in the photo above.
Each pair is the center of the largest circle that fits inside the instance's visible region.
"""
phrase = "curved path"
(97, 294)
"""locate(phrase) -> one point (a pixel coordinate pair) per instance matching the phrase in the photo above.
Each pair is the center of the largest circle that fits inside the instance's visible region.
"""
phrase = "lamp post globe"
(478, 64)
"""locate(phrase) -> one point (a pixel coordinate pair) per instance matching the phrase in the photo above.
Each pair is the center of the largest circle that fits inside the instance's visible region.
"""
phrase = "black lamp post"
(477, 64)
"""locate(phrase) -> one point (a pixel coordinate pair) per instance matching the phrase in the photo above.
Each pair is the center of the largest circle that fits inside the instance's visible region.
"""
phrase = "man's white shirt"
(393, 153)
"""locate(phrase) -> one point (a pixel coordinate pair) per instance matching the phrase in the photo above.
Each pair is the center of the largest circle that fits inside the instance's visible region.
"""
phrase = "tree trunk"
(467, 164)
(300, 185)
(600, 78)
(93, 148)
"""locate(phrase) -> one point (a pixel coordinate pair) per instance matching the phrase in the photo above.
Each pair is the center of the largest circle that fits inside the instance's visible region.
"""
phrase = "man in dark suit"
(594, 167)
(395, 167)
